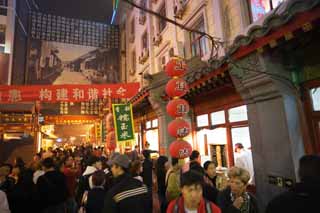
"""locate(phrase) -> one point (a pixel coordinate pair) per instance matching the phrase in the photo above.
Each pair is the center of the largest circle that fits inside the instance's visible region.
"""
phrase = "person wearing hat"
(128, 194)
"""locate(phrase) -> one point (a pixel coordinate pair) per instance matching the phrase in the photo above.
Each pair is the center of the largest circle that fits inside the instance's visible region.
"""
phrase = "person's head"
(147, 145)
(309, 168)
(47, 164)
(194, 155)
(136, 147)
(238, 180)
(18, 162)
(192, 188)
(136, 167)
(146, 154)
(37, 157)
(3, 174)
(69, 161)
(95, 162)
(162, 163)
(238, 147)
(120, 165)
(175, 163)
(7, 168)
(98, 178)
(210, 168)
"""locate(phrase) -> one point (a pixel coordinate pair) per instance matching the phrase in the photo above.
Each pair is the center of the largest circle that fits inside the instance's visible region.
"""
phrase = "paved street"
(68, 77)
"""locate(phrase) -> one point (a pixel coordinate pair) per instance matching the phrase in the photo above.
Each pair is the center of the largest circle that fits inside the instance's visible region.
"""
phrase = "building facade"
(260, 90)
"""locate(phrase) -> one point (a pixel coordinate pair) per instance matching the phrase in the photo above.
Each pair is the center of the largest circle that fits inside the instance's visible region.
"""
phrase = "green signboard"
(123, 122)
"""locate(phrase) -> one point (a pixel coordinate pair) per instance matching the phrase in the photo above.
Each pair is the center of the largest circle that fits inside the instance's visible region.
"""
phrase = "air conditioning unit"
(179, 8)
(157, 39)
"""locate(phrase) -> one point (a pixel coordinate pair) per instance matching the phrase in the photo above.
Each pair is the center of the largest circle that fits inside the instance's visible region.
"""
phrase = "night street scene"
(159, 106)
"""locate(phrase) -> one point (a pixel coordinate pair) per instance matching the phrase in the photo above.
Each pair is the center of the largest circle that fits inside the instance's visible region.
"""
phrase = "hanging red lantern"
(179, 128)
(180, 149)
(111, 140)
(176, 67)
(177, 87)
(177, 108)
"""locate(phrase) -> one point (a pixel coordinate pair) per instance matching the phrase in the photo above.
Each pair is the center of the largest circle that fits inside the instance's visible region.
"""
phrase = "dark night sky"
(95, 10)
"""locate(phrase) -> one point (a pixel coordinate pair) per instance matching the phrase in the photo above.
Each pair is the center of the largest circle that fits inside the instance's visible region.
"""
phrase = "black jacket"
(303, 197)
(127, 195)
(210, 193)
(52, 189)
(226, 205)
(147, 172)
(95, 200)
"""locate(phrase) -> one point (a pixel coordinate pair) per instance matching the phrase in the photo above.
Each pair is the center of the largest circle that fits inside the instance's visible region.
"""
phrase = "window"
(315, 98)
(161, 22)
(134, 61)
(218, 118)
(202, 120)
(145, 40)
(3, 11)
(238, 114)
(148, 125)
(132, 30)
(260, 7)
(155, 123)
(2, 37)
(198, 42)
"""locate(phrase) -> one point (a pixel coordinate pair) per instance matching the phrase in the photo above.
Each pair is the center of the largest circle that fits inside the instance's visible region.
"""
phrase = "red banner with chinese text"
(66, 93)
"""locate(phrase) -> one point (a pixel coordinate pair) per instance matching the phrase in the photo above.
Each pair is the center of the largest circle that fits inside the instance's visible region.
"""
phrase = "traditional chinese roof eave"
(140, 96)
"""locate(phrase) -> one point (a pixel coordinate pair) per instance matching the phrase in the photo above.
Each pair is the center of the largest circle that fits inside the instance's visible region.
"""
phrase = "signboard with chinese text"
(66, 93)
(123, 122)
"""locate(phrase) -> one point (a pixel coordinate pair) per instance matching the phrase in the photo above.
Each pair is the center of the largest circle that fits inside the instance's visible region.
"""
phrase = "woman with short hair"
(235, 198)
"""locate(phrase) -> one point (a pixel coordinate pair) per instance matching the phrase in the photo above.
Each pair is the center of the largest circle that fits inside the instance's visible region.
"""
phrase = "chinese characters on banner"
(66, 93)
(123, 122)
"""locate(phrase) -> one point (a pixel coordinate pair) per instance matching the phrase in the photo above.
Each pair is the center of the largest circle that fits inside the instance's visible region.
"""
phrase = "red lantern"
(180, 149)
(177, 87)
(111, 140)
(177, 108)
(176, 67)
(179, 128)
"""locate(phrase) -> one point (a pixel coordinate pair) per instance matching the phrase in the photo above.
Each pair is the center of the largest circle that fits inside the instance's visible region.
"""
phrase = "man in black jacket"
(52, 189)
(304, 196)
(128, 194)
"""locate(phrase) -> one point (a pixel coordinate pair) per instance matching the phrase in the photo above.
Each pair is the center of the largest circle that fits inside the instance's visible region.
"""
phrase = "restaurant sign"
(123, 122)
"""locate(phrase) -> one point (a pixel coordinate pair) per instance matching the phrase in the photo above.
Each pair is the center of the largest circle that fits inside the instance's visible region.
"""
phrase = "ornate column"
(275, 120)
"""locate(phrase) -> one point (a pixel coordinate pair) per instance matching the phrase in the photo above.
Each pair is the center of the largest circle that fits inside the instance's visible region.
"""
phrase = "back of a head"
(309, 168)
(98, 178)
(92, 160)
(48, 163)
(191, 178)
(194, 155)
(174, 161)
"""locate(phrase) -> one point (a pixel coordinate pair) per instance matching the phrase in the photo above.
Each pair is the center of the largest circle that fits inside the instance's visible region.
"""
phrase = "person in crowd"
(96, 194)
(235, 198)
(210, 191)
(304, 196)
(147, 169)
(134, 155)
(37, 168)
(161, 171)
(6, 182)
(94, 163)
(35, 162)
(192, 199)
(136, 170)
(128, 194)
(4, 206)
(52, 189)
(173, 180)
(194, 162)
(243, 159)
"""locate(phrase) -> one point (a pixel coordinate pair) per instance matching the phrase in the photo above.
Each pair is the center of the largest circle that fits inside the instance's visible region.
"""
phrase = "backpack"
(207, 204)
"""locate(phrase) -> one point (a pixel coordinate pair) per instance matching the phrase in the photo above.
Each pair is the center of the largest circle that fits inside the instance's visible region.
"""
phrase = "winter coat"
(127, 195)
(173, 184)
(52, 189)
(225, 203)
(303, 197)
(177, 206)
(95, 200)
(83, 184)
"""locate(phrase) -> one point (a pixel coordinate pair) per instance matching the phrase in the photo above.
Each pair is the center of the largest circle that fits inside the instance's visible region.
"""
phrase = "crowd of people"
(86, 180)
